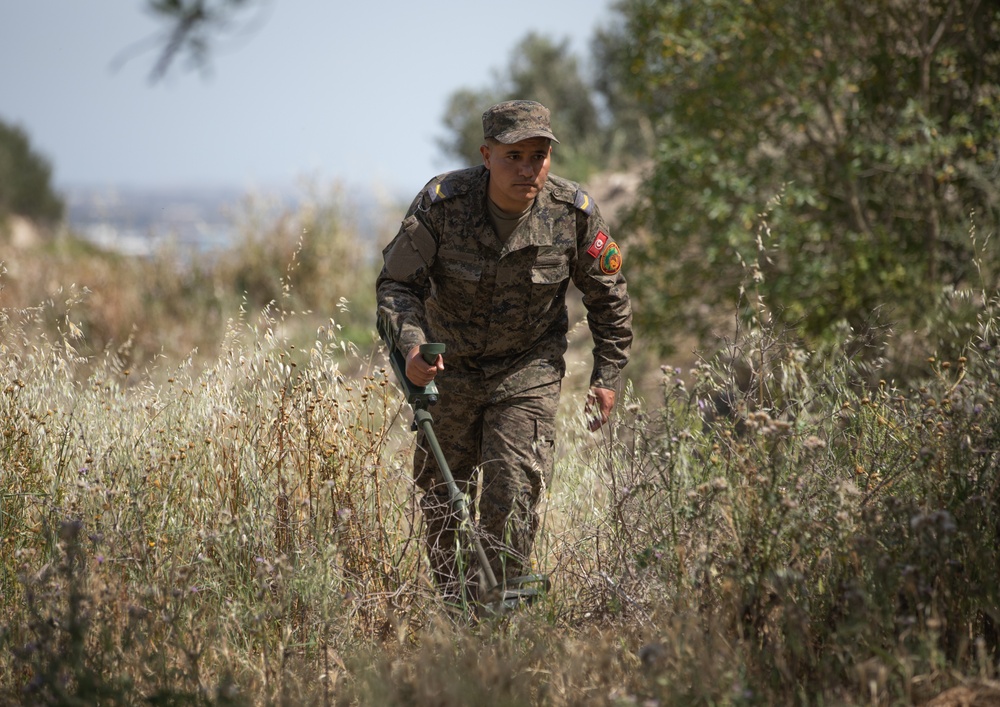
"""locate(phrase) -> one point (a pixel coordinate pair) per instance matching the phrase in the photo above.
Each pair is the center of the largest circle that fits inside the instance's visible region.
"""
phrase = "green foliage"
(463, 120)
(811, 531)
(25, 179)
(870, 129)
(628, 125)
(543, 71)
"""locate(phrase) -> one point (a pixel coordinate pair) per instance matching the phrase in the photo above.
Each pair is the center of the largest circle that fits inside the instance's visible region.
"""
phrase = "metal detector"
(496, 599)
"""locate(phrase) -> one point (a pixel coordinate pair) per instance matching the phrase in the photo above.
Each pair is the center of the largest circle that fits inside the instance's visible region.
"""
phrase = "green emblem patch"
(611, 259)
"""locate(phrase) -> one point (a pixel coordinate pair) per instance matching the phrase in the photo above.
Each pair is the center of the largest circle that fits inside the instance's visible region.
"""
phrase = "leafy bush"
(875, 123)
(25, 179)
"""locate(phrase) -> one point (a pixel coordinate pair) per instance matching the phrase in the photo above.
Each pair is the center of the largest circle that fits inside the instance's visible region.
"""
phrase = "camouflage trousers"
(507, 446)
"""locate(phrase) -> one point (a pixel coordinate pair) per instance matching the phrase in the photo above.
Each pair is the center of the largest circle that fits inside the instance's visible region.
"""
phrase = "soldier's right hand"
(418, 370)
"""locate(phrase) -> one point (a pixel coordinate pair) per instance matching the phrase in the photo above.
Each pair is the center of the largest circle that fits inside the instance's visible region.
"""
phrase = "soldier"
(481, 263)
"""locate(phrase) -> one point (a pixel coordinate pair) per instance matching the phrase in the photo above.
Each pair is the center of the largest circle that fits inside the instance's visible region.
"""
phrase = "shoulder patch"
(452, 184)
(439, 191)
(600, 240)
(611, 259)
(583, 202)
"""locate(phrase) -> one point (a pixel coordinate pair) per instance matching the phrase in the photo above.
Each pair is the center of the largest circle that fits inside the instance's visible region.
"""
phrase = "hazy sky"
(353, 91)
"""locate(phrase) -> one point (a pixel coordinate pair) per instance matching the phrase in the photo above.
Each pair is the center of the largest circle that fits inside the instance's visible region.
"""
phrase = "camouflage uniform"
(500, 309)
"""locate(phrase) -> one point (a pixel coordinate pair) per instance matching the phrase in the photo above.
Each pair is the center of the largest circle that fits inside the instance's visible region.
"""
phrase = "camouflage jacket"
(500, 308)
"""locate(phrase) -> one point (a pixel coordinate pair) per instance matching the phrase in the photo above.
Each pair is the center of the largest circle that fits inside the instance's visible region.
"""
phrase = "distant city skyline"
(326, 91)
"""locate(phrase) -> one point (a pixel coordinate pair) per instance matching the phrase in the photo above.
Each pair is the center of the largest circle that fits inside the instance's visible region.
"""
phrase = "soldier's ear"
(484, 150)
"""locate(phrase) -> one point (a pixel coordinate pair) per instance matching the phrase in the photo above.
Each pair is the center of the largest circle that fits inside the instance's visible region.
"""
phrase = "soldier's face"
(517, 171)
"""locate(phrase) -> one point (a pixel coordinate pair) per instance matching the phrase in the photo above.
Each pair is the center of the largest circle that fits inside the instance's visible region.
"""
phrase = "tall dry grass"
(776, 525)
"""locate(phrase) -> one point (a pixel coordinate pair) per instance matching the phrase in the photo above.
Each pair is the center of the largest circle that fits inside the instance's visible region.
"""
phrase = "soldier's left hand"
(600, 401)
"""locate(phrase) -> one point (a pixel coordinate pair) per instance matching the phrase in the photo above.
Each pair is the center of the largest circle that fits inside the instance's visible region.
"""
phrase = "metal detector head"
(518, 592)
(416, 395)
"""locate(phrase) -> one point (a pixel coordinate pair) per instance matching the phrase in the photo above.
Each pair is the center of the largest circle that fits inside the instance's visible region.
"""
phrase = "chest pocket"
(549, 270)
(456, 280)
(548, 274)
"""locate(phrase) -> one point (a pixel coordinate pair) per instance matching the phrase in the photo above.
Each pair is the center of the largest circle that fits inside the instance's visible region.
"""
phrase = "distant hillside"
(136, 221)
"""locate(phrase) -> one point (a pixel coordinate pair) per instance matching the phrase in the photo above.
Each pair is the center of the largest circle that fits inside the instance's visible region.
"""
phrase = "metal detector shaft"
(425, 422)
(420, 398)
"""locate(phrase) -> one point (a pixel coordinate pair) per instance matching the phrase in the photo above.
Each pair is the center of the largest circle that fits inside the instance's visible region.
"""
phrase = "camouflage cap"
(513, 121)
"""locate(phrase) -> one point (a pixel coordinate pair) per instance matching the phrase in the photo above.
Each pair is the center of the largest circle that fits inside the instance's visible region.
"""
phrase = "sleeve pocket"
(411, 251)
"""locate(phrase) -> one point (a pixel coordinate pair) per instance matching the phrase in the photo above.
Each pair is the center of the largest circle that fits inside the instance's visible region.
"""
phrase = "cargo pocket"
(543, 447)
(411, 251)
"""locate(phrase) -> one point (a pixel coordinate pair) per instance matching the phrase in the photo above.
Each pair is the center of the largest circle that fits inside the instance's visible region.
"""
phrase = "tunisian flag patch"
(600, 240)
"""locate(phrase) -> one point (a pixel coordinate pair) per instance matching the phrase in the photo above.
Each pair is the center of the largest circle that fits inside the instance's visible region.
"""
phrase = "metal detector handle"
(416, 395)
(430, 352)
